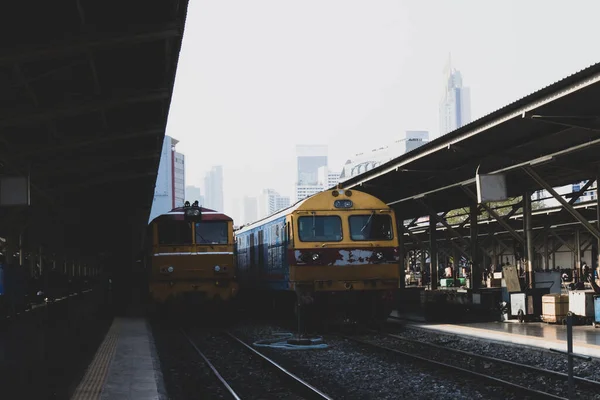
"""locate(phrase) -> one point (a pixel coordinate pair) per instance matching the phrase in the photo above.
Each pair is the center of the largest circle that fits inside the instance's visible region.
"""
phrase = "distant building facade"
(194, 193)
(309, 158)
(213, 188)
(269, 202)
(327, 179)
(366, 161)
(249, 210)
(455, 104)
(169, 191)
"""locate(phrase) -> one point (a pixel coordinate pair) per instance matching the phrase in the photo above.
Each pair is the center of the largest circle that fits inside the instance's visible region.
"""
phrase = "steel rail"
(514, 386)
(309, 391)
(213, 369)
(531, 368)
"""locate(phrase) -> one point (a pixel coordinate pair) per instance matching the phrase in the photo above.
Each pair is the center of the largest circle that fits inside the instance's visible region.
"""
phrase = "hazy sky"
(257, 77)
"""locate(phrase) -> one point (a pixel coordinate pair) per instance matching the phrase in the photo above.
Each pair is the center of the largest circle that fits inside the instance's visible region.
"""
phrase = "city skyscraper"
(213, 188)
(455, 105)
(309, 158)
(169, 191)
(269, 202)
(193, 193)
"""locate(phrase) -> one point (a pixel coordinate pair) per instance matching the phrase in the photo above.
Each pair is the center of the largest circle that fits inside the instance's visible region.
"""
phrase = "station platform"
(126, 365)
(586, 338)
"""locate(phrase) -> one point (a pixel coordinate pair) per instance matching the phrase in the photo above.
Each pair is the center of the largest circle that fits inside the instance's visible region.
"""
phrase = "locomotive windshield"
(320, 228)
(174, 232)
(211, 232)
(371, 227)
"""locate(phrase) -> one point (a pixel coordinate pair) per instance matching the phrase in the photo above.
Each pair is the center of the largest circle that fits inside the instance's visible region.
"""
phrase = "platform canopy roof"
(554, 131)
(85, 90)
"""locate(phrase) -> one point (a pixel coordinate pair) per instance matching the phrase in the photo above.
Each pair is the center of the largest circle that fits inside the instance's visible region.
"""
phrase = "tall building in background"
(269, 202)
(327, 179)
(368, 160)
(249, 210)
(213, 188)
(455, 105)
(169, 191)
(309, 158)
(194, 193)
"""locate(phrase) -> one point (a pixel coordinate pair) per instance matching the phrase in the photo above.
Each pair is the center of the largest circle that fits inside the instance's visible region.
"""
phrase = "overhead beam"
(540, 181)
(95, 41)
(66, 110)
(92, 64)
(119, 178)
(78, 145)
(92, 166)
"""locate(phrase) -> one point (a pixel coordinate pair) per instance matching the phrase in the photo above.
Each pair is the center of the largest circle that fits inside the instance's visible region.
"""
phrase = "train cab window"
(212, 232)
(371, 227)
(174, 232)
(320, 228)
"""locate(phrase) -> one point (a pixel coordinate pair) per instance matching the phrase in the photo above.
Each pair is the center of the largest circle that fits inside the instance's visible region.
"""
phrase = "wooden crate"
(555, 307)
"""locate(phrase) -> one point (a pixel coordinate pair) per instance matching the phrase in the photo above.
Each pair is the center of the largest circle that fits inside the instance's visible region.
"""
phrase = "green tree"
(500, 207)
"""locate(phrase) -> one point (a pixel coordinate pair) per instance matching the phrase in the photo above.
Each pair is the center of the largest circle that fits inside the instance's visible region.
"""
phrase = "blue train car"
(261, 256)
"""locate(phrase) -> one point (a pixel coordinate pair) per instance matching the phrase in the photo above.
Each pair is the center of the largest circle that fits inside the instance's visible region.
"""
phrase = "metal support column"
(21, 255)
(546, 260)
(529, 238)
(401, 262)
(456, 260)
(597, 221)
(433, 254)
(578, 255)
(476, 271)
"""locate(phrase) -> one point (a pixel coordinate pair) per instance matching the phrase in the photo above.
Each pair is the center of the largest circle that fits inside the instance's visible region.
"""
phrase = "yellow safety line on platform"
(90, 386)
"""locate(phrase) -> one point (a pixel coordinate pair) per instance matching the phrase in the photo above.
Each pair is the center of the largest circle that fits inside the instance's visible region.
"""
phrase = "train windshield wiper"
(205, 241)
(368, 221)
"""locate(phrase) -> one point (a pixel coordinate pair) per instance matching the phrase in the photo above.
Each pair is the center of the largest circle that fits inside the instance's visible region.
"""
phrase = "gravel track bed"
(512, 352)
(247, 374)
(533, 380)
(185, 374)
(347, 370)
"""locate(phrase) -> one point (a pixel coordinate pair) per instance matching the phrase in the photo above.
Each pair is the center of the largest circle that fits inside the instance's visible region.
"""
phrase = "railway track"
(525, 379)
(239, 386)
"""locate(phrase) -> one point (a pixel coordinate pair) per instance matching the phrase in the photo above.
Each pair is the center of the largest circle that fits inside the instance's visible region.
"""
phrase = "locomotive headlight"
(379, 256)
(170, 269)
(315, 256)
(192, 212)
(217, 268)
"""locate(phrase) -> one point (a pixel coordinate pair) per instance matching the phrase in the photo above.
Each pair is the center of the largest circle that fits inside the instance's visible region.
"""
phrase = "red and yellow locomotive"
(190, 256)
(335, 250)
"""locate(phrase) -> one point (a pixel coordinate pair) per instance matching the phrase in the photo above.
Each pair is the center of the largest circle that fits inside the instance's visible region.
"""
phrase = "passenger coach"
(337, 250)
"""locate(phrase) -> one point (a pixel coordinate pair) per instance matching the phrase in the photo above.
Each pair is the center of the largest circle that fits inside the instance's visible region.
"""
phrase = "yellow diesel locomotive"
(190, 257)
(334, 251)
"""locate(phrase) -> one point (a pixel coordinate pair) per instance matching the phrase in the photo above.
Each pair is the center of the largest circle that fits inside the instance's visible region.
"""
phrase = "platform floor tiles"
(586, 339)
(125, 366)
